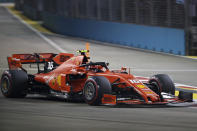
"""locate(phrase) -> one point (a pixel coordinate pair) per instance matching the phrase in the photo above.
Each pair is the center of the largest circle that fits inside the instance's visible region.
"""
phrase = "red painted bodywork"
(58, 80)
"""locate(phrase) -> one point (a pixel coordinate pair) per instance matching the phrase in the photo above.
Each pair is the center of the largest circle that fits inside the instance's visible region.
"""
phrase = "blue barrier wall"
(167, 40)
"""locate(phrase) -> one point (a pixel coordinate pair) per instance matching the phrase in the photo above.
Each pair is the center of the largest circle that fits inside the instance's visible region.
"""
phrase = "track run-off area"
(41, 113)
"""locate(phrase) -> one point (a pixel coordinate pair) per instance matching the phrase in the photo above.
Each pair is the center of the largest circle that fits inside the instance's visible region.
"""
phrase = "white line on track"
(50, 42)
(178, 84)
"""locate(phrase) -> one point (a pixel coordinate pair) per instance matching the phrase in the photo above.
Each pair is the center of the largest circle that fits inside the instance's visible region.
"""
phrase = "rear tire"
(14, 83)
(94, 89)
(164, 83)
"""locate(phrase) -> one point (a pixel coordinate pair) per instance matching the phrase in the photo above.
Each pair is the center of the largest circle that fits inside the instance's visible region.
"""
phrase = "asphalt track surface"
(38, 113)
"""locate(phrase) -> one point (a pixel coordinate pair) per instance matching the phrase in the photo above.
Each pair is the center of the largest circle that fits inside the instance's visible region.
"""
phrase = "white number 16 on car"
(135, 81)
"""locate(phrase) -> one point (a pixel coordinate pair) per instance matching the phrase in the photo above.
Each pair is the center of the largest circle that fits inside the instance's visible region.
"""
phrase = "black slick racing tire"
(164, 83)
(94, 89)
(14, 83)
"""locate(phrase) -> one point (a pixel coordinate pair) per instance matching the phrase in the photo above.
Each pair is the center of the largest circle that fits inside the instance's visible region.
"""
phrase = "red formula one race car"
(72, 76)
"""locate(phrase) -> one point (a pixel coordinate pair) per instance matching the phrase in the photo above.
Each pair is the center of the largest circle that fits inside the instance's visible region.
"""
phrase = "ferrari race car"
(70, 76)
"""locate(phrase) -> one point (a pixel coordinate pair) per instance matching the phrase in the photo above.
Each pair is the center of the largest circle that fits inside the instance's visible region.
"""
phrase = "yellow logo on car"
(140, 86)
(149, 92)
(59, 80)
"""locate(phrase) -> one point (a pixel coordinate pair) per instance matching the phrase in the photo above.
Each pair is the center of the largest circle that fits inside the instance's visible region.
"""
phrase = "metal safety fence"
(31, 8)
(5, 1)
(178, 14)
(166, 13)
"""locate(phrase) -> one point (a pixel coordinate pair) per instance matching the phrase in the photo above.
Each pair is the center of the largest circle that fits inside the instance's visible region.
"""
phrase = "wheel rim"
(158, 90)
(89, 91)
(5, 85)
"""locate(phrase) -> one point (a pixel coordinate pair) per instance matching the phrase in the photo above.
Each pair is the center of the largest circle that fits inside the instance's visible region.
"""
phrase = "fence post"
(110, 10)
(169, 12)
(137, 11)
(151, 12)
(122, 10)
(98, 10)
(187, 27)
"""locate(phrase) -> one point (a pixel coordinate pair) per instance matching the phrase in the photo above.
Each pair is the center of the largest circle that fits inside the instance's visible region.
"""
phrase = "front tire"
(94, 89)
(163, 83)
(13, 83)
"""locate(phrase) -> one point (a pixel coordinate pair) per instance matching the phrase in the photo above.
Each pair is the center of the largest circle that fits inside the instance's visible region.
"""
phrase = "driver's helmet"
(83, 52)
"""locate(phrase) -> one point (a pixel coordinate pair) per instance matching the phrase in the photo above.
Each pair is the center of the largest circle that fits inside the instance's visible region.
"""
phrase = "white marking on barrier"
(50, 42)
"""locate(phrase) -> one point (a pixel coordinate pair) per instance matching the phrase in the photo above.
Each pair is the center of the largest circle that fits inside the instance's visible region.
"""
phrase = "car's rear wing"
(16, 60)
